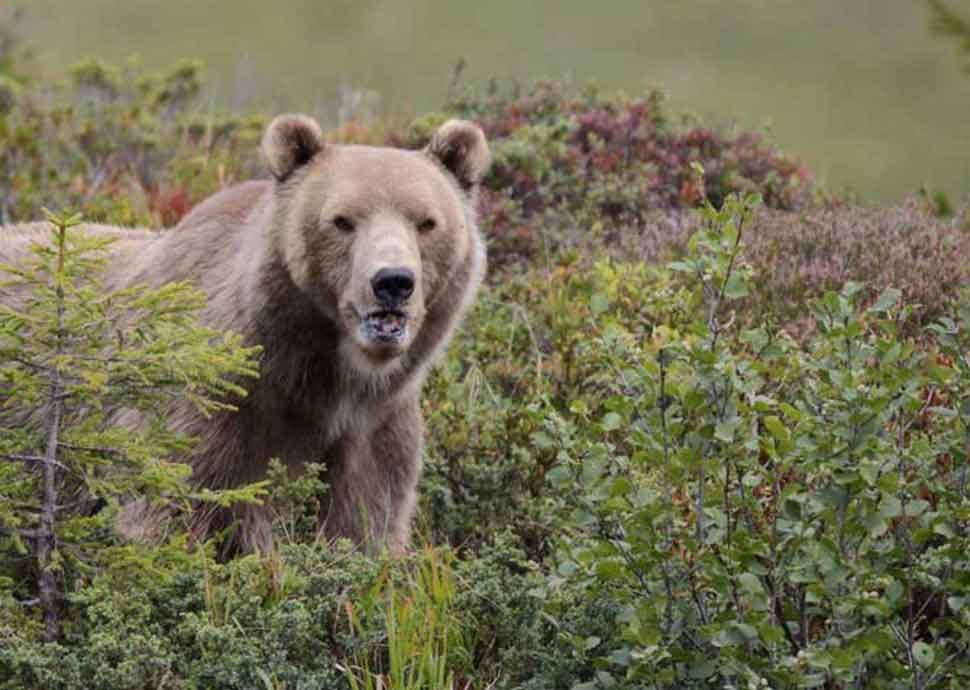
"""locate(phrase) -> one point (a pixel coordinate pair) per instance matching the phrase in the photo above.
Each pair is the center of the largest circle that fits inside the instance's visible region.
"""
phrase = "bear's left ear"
(290, 142)
(461, 148)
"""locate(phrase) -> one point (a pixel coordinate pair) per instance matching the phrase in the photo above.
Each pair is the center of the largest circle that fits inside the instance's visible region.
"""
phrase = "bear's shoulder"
(231, 205)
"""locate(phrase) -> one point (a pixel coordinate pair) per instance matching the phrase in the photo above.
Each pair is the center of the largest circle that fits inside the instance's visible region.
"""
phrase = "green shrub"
(305, 618)
(276, 622)
(121, 146)
(783, 517)
(310, 616)
(70, 357)
(524, 353)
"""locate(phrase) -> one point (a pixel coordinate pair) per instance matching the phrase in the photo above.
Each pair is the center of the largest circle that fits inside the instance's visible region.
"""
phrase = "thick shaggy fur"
(277, 268)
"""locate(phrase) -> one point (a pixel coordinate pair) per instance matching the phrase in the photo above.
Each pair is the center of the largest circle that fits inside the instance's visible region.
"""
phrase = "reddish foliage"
(169, 203)
(797, 256)
(616, 136)
(615, 160)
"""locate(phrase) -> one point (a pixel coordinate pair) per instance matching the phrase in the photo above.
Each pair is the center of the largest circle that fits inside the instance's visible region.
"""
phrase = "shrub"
(730, 505)
(304, 618)
(765, 515)
(608, 161)
(275, 622)
(121, 146)
(524, 351)
(70, 357)
(801, 257)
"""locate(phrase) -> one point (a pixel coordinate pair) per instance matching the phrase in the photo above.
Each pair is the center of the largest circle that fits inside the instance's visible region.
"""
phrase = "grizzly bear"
(351, 268)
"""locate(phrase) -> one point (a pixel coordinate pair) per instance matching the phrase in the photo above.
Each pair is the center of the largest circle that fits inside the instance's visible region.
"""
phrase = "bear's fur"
(293, 264)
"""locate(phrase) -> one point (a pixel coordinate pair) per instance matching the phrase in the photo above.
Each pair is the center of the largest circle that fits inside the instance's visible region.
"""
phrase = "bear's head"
(377, 237)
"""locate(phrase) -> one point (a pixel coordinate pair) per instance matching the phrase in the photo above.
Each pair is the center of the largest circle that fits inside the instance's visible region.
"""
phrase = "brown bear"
(351, 269)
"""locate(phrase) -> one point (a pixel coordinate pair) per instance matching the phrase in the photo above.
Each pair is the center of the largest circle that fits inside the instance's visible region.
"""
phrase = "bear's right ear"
(290, 142)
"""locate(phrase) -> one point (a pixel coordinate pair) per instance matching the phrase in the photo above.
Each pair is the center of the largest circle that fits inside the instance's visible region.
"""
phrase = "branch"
(36, 459)
(712, 322)
(93, 449)
(944, 664)
(777, 610)
(18, 532)
(14, 457)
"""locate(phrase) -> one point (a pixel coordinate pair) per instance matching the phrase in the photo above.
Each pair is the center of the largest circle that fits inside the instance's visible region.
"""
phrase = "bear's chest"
(307, 428)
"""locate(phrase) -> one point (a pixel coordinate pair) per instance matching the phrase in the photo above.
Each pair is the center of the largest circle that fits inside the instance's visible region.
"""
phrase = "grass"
(423, 630)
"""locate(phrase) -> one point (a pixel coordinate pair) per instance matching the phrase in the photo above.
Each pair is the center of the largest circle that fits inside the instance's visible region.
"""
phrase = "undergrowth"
(704, 428)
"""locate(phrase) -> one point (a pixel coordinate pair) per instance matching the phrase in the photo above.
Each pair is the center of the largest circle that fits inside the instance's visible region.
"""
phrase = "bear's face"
(372, 235)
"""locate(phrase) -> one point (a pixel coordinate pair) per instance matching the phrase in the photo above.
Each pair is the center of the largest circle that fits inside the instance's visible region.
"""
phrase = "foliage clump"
(798, 257)
(122, 146)
(74, 361)
(769, 515)
(906, 247)
(607, 161)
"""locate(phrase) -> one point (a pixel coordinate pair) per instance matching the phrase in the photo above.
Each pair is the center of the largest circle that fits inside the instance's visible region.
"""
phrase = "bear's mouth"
(385, 326)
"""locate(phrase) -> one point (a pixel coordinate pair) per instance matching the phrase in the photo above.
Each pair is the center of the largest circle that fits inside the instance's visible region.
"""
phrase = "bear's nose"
(393, 285)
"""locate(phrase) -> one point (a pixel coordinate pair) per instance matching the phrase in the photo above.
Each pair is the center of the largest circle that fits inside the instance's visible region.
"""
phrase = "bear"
(351, 268)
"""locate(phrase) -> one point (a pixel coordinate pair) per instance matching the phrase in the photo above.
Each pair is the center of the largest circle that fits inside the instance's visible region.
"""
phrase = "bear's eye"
(343, 223)
(427, 225)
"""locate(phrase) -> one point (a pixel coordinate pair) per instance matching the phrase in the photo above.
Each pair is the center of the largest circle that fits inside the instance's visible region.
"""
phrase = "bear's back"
(17, 241)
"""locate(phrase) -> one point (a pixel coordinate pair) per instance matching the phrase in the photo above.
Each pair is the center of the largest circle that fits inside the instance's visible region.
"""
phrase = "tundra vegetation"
(707, 426)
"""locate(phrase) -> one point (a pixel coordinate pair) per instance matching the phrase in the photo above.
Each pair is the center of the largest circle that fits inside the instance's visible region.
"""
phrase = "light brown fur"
(277, 269)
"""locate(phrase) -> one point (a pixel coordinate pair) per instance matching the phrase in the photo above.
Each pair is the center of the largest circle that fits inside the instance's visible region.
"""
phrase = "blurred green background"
(859, 89)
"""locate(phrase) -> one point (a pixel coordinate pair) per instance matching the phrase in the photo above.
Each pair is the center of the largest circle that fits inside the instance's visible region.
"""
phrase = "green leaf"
(702, 668)
(751, 584)
(621, 486)
(542, 440)
(891, 356)
(923, 653)
(736, 286)
(560, 475)
(724, 431)
(605, 679)
(776, 428)
(894, 591)
(886, 301)
(611, 421)
(610, 570)
(735, 633)
(598, 304)
(851, 289)
(890, 507)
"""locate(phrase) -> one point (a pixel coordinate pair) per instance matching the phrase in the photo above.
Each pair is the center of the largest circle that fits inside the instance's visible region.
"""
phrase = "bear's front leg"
(373, 480)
